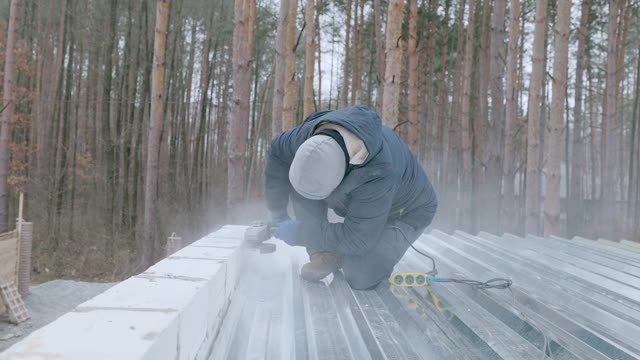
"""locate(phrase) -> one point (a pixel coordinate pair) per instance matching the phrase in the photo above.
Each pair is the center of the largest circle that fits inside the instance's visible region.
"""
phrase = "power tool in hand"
(257, 234)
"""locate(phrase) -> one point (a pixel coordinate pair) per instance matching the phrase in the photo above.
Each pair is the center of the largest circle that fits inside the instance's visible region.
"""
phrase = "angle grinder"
(256, 235)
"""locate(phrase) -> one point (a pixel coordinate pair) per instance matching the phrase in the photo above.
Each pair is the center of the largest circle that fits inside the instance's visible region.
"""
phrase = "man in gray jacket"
(346, 160)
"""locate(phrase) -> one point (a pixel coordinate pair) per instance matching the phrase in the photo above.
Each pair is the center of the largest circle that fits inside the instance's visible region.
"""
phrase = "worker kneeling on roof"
(346, 160)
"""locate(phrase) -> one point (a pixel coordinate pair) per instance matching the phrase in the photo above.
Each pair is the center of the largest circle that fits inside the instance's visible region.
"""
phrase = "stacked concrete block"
(171, 311)
(24, 262)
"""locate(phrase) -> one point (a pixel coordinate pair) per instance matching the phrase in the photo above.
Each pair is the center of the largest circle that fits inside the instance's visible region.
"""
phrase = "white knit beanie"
(318, 167)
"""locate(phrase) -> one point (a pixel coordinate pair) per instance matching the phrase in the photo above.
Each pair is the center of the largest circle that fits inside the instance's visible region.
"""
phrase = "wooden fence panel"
(8, 260)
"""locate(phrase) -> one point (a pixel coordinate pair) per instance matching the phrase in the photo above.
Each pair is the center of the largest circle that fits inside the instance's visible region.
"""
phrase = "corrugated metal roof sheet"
(579, 299)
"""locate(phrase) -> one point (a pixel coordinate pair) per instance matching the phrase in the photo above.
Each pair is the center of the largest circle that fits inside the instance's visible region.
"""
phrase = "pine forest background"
(124, 121)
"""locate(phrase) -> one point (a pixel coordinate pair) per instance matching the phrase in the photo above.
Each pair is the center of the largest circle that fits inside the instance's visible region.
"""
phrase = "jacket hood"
(361, 121)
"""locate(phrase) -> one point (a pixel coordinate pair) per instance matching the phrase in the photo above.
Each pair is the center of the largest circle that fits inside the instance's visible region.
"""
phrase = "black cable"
(496, 283)
(434, 270)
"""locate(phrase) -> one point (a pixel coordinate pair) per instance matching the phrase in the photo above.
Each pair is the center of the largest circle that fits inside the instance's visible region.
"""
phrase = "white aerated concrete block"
(173, 310)
(231, 232)
(101, 334)
(184, 268)
(218, 242)
(222, 288)
(219, 255)
(147, 293)
(233, 227)
(193, 326)
(233, 271)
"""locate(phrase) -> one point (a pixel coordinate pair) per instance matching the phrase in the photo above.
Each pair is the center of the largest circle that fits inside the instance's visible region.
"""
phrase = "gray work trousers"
(367, 270)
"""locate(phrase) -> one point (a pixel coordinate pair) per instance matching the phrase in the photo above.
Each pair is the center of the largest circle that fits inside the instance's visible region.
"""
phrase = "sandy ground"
(46, 302)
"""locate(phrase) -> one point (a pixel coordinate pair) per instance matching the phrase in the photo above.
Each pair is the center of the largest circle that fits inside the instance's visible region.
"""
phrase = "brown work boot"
(320, 265)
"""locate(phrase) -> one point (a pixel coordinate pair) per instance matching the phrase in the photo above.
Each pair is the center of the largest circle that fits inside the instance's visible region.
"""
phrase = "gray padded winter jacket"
(390, 185)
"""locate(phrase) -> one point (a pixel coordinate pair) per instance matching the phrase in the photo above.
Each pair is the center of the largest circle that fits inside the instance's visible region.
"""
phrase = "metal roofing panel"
(578, 299)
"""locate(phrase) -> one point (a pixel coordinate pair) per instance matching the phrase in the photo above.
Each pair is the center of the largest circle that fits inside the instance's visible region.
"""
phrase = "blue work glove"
(279, 217)
(287, 232)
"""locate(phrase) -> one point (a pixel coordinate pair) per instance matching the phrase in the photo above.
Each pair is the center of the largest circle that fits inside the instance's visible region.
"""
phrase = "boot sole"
(314, 276)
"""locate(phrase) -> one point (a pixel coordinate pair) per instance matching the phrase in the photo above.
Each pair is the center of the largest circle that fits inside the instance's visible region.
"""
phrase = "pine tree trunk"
(367, 97)
(481, 138)
(532, 218)
(610, 125)
(575, 207)
(546, 98)
(393, 61)
(310, 37)
(255, 176)
(441, 113)
(139, 142)
(593, 125)
(278, 89)
(54, 133)
(377, 24)
(521, 122)
(511, 122)
(242, 60)
(7, 114)
(358, 58)
(290, 89)
(223, 124)
(520, 105)
(201, 114)
(319, 7)
(344, 95)
(455, 127)
(360, 99)
(555, 136)
(151, 178)
(136, 131)
(106, 135)
(55, 89)
(331, 71)
(77, 137)
(465, 203)
(256, 123)
(429, 122)
(94, 127)
(129, 114)
(184, 157)
(636, 212)
(402, 130)
(633, 173)
(45, 55)
(413, 76)
(496, 128)
(61, 171)
(623, 30)
(35, 88)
